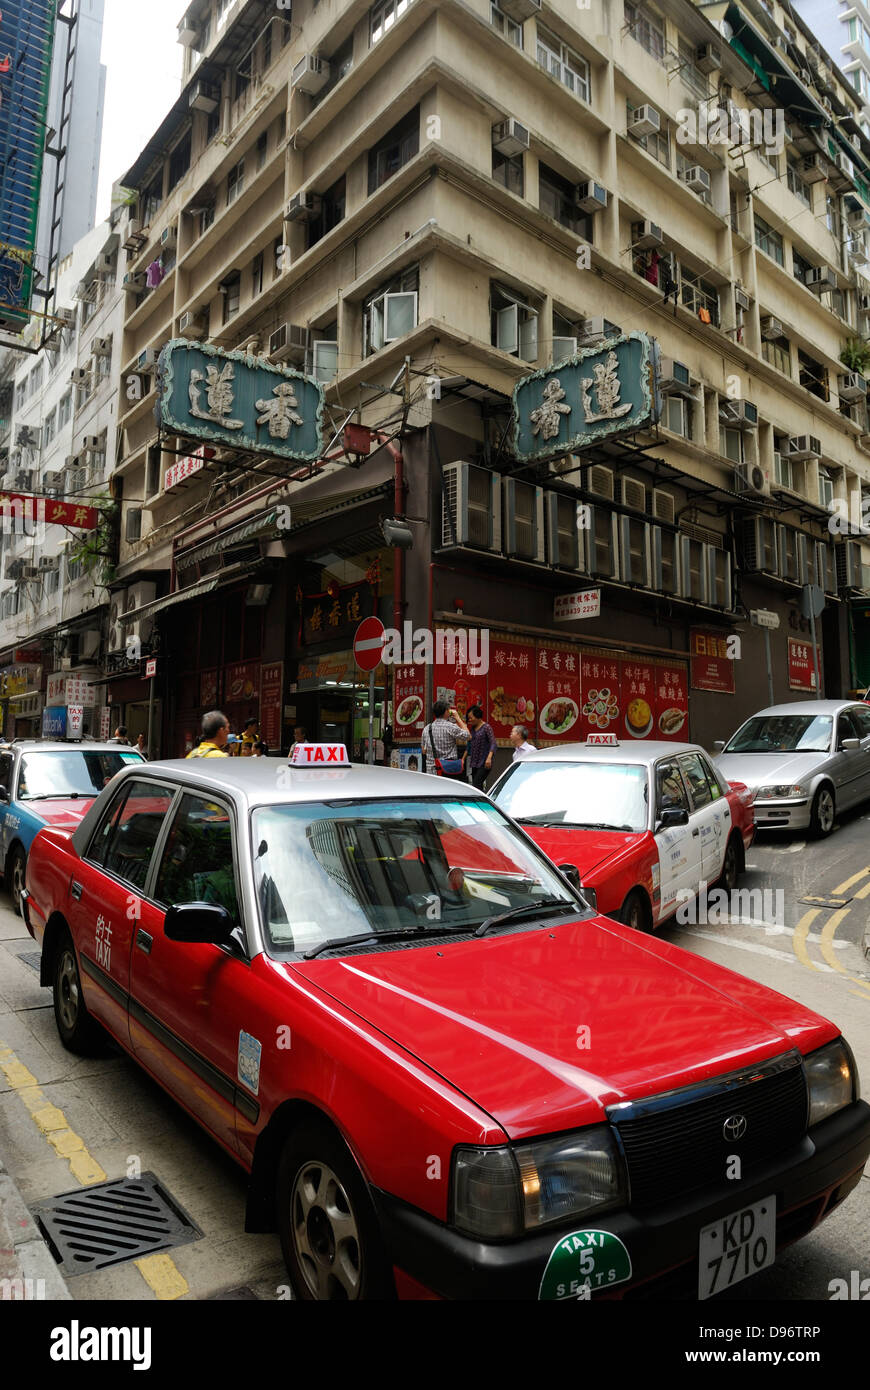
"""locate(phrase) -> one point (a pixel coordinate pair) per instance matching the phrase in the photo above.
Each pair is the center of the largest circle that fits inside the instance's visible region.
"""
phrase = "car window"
(125, 841)
(197, 863)
(670, 791)
(5, 771)
(862, 716)
(596, 794)
(699, 784)
(847, 727)
(71, 772)
(783, 733)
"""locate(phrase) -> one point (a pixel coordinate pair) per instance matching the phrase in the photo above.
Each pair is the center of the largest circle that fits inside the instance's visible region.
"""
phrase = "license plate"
(736, 1246)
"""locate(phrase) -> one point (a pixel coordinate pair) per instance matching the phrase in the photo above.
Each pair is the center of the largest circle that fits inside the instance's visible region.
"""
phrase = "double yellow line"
(829, 931)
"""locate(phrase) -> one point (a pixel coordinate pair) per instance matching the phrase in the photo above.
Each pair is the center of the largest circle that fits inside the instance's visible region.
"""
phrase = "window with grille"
(508, 171)
(768, 240)
(563, 63)
(383, 16)
(646, 31)
(394, 150)
(232, 296)
(678, 416)
(777, 351)
(514, 323)
(235, 181)
(800, 267)
(262, 148)
(731, 443)
(391, 311)
(692, 76)
(795, 181)
(511, 31)
(557, 198)
(332, 208)
(833, 219)
(179, 161)
(812, 375)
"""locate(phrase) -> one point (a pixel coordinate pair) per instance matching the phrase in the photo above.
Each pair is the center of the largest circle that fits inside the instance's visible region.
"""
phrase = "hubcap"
(325, 1234)
(17, 879)
(826, 810)
(68, 991)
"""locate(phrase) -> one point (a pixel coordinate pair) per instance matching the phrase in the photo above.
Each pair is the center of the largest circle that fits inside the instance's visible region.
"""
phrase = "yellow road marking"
(800, 934)
(159, 1271)
(841, 887)
(863, 892)
(826, 944)
(162, 1275)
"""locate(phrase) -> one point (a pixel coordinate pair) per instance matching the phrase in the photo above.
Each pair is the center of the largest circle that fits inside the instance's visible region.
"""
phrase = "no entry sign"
(368, 644)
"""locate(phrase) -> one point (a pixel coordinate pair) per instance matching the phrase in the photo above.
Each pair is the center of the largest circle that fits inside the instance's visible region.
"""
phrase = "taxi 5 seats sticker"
(583, 1263)
(250, 1051)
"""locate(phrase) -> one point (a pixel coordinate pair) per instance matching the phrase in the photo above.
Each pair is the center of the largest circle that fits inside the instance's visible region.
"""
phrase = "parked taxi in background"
(645, 825)
(445, 1076)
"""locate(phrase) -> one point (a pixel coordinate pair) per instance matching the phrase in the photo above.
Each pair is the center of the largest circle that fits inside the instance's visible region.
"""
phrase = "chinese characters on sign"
(231, 398)
(801, 675)
(409, 712)
(271, 689)
(585, 604)
(712, 668)
(184, 467)
(16, 504)
(323, 617)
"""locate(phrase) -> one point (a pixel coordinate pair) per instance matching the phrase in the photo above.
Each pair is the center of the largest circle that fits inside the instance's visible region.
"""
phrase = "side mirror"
(849, 744)
(198, 922)
(719, 744)
(673, 816)
(572, 873)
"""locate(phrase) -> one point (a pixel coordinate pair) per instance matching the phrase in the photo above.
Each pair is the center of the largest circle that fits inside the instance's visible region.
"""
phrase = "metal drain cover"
(112, 1222)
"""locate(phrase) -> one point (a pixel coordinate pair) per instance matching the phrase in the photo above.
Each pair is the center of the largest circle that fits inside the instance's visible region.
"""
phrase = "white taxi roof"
(627, 750)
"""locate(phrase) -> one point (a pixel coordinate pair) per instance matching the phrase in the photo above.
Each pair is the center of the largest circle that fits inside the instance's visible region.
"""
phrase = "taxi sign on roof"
(310, 754)
(610, 740)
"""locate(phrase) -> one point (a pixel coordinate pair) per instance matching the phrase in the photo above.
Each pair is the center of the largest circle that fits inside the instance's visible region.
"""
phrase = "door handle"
(144, 941)
(726, 815)
(696, 832)
(75, 890)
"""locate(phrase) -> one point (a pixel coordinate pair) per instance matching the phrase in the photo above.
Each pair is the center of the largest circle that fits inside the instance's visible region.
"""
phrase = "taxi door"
(711, 815)
(189, 1024)
(679, 846)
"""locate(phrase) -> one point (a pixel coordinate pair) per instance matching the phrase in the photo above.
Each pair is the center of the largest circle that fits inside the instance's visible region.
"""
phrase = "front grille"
(679, 1146)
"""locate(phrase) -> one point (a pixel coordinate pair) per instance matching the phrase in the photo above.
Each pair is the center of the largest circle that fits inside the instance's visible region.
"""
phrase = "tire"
(16, 865)
(730, 866)
(823, 812)
(79, 1031)
(635, 912)
(329, 1232)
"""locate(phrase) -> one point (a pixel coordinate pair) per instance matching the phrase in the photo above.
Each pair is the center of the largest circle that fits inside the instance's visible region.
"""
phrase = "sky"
(143, 61)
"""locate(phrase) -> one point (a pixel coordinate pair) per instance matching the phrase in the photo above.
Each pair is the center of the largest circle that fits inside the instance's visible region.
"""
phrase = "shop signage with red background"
(558, 697)
(208, 689)
(711, 667)
(639, 699)
(601, 688)
(672, 701)
(800, 665)
(512, 696)
(459, 683)
(241, 682)
(336, 613)
(271, 696)
(53, 513)
(409, 709)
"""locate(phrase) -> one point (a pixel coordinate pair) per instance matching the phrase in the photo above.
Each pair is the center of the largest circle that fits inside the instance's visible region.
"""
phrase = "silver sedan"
(804, 762)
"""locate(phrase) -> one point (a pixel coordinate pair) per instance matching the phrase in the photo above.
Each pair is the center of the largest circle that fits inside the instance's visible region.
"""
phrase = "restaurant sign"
(595, 394)
(234, 399)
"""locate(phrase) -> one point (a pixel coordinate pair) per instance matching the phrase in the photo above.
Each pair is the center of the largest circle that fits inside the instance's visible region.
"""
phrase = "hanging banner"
(602, 693)
(671, 701)
(409, 710)
(638, 698)
(801, 675)
(711, 667)
(558, 695)
(512, 694)
(22, 507)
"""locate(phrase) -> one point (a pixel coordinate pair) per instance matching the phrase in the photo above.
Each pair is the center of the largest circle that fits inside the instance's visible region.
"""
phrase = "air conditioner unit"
(288, 341)
(187, 32)
(697, 179)
(645, 121)
(563, 348)
(48, 563)
(68, 316)
(591, 196)
(101, 347)
(645, 234)
(718, 566)
(169, 238)
(790, 555)
(771, 328)
(635, 555)
(826, 567)
(857, 257)
(814, 169)
(471, 506)
(708, 57)
(302, 207)
(138, 594)
(204, 97)
(848, 560)
(758, 544)
(520, 10)
(135, 235)
(844, 164)
(592, 331)
(105, 265)
(664, 506)
(693, 569)
(741, 299)
(754, 479)
(71, 461)
(310, 74)
(743, 414)
(634, 494)
(147, 360)
(599, 481)
(782, 471)
(79, 376)
(565, 538)
(193, 324)
(93, 443)
(821, 277)
(852, 386)
(135, 280)
(675, 379)
(803, 446)
(509, 137)
(523, 521)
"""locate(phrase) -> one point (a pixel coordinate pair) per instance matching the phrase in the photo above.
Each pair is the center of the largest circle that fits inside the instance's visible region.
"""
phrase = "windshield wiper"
(543, 908)
(55, 796)
(598, 825)
(406, 932)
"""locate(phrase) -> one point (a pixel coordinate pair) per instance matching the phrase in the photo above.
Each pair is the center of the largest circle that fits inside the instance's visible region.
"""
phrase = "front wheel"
(730, 866)
(822, 814)
(328, 1228)
(635, 911)
(79, 1031)
(15, 870)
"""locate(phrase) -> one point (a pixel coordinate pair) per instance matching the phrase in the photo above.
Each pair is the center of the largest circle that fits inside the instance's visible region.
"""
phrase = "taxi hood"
(587, 849)
(62, 812)
(543, 1029)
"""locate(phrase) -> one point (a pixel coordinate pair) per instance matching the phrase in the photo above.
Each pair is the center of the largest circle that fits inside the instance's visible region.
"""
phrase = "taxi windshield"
(783, 733)
(325, 872)
(73, 772)
(592, 795)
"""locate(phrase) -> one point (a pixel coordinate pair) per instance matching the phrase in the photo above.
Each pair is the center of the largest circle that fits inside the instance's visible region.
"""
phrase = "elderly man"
(520, 741)
(215, 732)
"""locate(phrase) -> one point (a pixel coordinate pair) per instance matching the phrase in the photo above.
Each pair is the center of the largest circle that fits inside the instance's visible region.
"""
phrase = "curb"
(24, 1255)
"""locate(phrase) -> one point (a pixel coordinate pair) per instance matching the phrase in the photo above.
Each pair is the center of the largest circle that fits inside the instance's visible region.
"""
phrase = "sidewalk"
(27, 1268)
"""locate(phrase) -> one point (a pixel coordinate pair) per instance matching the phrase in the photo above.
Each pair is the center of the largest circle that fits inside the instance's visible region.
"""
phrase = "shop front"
(71, 710)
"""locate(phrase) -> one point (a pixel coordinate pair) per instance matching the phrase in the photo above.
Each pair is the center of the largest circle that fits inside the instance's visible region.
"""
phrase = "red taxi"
(646, 827)
(445, 1076)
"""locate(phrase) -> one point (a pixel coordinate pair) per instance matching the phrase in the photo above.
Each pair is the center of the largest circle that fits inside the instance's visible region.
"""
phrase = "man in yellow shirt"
(215, 731)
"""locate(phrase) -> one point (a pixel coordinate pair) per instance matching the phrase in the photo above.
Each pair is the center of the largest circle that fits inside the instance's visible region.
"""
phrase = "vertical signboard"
(558, 693)
(638, 697)
(672, 701)
(26, 41)
(801, 675)
(602, 693)
(409, 709)
(271, 691)
(712, 668)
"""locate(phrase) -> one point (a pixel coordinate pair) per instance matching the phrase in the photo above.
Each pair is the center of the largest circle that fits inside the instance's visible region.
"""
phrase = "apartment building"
(421, 203)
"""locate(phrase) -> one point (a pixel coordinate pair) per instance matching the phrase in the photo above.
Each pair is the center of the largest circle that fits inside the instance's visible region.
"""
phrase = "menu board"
(559, 702)
(512, 694)
(208, 689)
(712, 668)
(241, 681)
(602, 694)
(409, 710)
(271, 691)
(638, 697)
(801, 675)
(671, 701)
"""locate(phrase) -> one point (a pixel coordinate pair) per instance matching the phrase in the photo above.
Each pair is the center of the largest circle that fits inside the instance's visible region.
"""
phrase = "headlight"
(832, 1079)
(504, 1192)
(771, 793)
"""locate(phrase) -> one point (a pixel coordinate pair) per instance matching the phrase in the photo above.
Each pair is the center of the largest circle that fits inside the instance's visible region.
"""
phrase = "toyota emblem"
(734, 1127)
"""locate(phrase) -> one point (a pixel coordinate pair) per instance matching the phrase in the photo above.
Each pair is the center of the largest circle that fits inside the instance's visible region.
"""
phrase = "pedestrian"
(300, 735)
(260, 749)
(120, 735)
(520, 741)
(480, 748)
(215, 733)
(140, 745)
(250, 734)
(444, 741)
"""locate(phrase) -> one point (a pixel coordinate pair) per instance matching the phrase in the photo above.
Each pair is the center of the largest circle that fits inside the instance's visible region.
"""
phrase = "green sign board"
(591, 396)
(233, 399)
(583, 1263)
